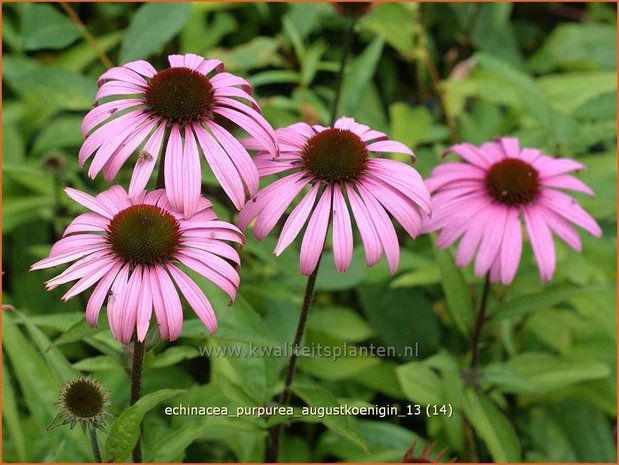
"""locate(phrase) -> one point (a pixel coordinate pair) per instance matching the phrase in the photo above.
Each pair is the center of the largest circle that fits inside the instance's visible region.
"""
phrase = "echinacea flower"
(336, 166)
(172, 113)
(482, 200)
(85, 401)
(130, 248)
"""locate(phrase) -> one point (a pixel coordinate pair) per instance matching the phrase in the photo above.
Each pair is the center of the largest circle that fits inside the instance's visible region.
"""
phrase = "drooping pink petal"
(382, 223)
(145, 166)
(216, 247)
(114, 199)
(115, 305)
(101, 291)
(401, 208)
(80, 268)
(259, 202)
(126, 149)
(273, 211)
(150, 276)
(130, 298)
(541, 242)
(86, 222)
(403, 178)
(549, 166)
(87, 281)
(141, 67)
(260, 130)
(121, 73)
(471, 154)
(223, 168)
(88, 201)
(510, 145)
(105, 111)
(568, 208)
(144, 307)
(511, 247)
(173, 171)
(109, 138)
(171, 302)
(195, 297)
(390, 146)
(191, 174)
(471, 239)
(342, 231)
(209, 273)
(369, 237)
(297, 219)
(491, 242)
(562, 228)
(239, 156)
(314, 238)
(564, 181)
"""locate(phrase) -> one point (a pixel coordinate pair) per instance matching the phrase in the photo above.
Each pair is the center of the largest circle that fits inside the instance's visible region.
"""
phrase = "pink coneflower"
(130, 247)
(335, 164)
(483, 199)
(178, 110)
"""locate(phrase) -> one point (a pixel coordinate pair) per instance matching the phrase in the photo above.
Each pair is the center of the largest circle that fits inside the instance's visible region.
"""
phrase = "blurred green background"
(426, 74)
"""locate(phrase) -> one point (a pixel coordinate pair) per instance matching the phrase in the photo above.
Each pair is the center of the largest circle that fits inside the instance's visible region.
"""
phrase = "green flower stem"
(73, 16)
(136, 387)
(94, 443)
(480, 319)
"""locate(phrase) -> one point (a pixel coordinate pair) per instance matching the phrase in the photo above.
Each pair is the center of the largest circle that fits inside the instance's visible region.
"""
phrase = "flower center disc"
(144, 235)
(512, 182)
(84, 399)
(335, 155)
(180, 95)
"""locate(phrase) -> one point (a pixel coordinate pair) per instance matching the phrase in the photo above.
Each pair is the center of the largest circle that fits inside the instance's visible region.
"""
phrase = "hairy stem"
(136, 387)
(349, 35)
(480, 319)
(94, 443)
(73, 16)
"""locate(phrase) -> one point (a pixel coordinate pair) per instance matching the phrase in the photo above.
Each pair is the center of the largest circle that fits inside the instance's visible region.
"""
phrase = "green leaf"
(45, 27)
(577, 46)
(100, 362)
(172, 356)
(259, 52)
(125, 431)
(587, 430)
(11, 416)
(152, 26)
(315, 396)
(359, 76)
(62, 132)
(541, 301)
(334, 369)
(420, 383)
(492, 427)
(567, 92)
(77, 332)
(278, 76)
(456, 290)
(540, 372)
(340, 323)
(392, 22)
(58, 88)
(561, 128)
(403, 319)
(80, 56)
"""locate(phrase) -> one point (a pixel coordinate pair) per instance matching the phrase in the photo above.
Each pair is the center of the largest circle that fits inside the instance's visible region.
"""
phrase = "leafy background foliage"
(544, 72)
